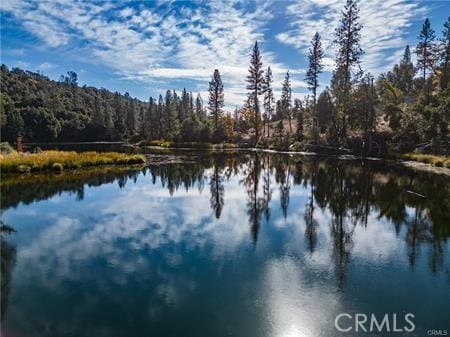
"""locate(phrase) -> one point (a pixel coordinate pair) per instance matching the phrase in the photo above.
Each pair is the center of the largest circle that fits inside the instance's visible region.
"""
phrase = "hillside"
(41, 109)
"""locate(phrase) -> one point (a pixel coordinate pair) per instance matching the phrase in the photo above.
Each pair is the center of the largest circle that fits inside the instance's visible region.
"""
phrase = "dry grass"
(438, 161)
(63, 160)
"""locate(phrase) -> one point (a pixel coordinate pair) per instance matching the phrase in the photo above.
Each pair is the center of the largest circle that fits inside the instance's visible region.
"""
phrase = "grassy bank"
(63, 160)
(191, 145)
(438, 161)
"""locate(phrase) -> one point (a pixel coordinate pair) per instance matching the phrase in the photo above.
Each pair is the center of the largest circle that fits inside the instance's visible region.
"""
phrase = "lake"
(225, 244)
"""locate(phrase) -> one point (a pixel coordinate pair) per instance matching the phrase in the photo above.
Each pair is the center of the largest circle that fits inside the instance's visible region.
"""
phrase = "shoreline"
(416, 165)
(408, 163)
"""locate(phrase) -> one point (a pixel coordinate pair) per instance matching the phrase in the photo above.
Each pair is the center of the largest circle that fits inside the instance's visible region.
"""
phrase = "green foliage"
(40, 109)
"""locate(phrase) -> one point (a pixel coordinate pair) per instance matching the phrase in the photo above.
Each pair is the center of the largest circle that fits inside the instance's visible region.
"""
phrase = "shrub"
(5, 148)
(36, 168)
(59, 160)
(229, 146)
(23, 169)
(136, 160)
(425, 160)
(297, 146)
(57, 167)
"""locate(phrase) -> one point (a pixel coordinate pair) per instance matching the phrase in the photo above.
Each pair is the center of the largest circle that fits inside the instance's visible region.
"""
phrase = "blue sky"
(145, 48)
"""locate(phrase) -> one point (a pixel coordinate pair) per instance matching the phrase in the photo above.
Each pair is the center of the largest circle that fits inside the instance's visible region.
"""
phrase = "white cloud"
(45, 66)
(384, 27)
(22, 64)
(166, 42)
(171, 42)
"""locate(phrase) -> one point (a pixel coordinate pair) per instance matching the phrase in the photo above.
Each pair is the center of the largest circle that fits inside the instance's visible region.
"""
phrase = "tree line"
(401, 109)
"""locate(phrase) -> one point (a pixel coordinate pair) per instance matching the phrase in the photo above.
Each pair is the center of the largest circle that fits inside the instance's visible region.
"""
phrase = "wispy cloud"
(45, 66)
(179, 42)
(384, 27)
(169, 42)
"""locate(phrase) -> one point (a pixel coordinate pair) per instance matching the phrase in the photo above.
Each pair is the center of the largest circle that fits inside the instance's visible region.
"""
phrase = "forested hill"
(41, 109)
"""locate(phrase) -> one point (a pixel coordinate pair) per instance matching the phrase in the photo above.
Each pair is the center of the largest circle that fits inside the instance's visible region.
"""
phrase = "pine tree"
(119, 119)
(348, 57)
(445, 56)
(278, 110)
(141, 125)
(131, 118)
(216, 100)
(172, 123)
(367, 98)
(229, 126)
(407, 72)
(149, 120)
(286, 100)
(184, 106)
(312, 77)
(255, 87)
(425, 51)
(325, 109)
(268, 98)
(98, 117)
(298, 113)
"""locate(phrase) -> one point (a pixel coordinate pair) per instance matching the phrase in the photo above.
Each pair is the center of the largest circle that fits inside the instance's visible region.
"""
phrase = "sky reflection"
(258, 244)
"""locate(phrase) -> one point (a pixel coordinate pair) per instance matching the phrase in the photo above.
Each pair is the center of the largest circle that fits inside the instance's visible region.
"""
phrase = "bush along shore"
(438, 161)
(58, 161)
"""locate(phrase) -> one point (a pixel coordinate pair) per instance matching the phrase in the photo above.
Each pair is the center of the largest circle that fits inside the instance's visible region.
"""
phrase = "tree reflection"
(217, 192)
(354, 193)
(310, 223)
(255, 204)
(42, 186)
(341, 229)
(418, 231)
(8, 261)
(267, 190)
(283, 178)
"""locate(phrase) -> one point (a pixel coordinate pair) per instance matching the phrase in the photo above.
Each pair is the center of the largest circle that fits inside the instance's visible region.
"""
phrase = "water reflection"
(254, 244)
(8, 260)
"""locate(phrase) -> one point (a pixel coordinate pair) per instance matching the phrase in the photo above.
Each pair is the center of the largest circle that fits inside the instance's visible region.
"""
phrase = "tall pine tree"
(268, 98)
(298, 113)
(315, 57)
(445, 55)
(286, 100)
(347, 58)
(255, 87)
(425, 50)
(216, 101)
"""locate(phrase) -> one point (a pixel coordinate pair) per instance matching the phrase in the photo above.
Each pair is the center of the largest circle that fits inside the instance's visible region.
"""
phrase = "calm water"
(225, 245)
